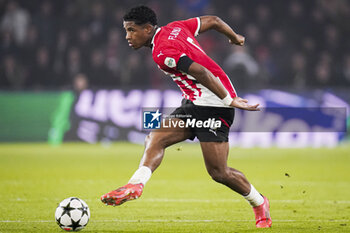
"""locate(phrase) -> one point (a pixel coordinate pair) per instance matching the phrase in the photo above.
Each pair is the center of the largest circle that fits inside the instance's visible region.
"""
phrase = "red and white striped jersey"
(177, 39)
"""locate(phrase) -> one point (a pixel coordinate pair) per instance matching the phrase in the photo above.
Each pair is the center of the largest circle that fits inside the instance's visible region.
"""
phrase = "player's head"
(139, 24)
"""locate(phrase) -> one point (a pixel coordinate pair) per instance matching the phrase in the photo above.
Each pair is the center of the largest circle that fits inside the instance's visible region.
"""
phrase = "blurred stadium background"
(67, 73)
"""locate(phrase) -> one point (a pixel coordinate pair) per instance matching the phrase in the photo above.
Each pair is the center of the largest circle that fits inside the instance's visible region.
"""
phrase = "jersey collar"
(152, 42)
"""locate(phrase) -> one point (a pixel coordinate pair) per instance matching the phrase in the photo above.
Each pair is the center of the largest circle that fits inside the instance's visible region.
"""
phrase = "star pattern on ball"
(84, 211)
(67, 209)
(75, 224)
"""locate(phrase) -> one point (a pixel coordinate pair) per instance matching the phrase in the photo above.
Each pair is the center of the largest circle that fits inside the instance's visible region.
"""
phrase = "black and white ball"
(72, 214)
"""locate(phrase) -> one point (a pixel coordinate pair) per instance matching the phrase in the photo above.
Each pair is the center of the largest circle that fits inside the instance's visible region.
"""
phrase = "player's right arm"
(209, 22)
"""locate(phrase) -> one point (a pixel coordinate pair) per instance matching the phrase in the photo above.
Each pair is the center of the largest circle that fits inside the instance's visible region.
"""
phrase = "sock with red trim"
(254, 197)
(142, 175)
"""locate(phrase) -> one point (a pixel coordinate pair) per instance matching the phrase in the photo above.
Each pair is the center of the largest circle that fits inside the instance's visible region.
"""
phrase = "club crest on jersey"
(170, 62)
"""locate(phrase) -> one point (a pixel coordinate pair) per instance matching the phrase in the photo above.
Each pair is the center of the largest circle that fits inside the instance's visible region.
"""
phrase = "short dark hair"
(141, 15)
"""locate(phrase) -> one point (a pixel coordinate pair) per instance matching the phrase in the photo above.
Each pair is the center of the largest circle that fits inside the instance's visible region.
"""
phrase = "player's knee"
(147, 140)
(155, 141)
(218, 175)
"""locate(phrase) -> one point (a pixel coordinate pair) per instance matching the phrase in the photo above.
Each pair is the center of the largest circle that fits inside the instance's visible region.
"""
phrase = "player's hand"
(240, 103)
(239, 40)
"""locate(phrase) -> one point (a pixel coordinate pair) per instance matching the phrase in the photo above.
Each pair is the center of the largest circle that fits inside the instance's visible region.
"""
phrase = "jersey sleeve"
(168, 59)
(193, 25)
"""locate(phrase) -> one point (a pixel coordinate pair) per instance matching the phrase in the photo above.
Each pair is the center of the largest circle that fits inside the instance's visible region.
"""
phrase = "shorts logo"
(151, 119)
(213, 131)
(170, 62)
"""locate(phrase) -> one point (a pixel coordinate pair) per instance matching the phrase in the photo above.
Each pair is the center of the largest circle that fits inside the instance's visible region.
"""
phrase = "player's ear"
(149, 28)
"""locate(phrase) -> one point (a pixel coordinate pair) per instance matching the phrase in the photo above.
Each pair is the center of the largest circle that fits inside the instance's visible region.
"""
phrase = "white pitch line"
(178, 220)
(206, 200)
(241, 200)
(212, 220)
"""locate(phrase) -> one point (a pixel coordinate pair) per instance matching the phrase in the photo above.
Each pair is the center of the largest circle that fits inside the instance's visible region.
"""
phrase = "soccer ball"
(72, 214)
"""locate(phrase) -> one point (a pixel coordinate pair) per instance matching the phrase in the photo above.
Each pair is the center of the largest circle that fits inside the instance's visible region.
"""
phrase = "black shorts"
(213, 130)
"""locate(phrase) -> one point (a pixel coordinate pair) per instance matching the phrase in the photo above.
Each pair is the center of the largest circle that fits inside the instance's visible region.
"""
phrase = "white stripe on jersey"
(195, 90)
(152, 41)
(182, 90)
(190, 77)
(234, 90)
(201, 95)
(189, 39)
(198, 26)
(188, 86)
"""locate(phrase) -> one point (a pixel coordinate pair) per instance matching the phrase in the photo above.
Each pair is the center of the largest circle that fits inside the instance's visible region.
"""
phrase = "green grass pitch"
(309, 189)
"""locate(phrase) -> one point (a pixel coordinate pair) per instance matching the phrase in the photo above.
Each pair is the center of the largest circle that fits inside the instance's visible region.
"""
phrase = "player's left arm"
(207, 79)
(209, 22)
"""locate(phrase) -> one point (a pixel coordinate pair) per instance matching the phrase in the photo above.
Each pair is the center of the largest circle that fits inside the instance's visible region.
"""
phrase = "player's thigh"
(215, 155)
(168, 136)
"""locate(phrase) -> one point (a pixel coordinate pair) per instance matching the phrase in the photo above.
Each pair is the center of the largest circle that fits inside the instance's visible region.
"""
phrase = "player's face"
(136, 35)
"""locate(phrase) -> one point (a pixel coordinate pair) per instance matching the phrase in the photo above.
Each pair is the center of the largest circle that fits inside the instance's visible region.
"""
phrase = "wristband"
(227, 100)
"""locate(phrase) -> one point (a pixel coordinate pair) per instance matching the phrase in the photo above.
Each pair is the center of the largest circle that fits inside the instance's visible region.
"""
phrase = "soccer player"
(208, 93)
